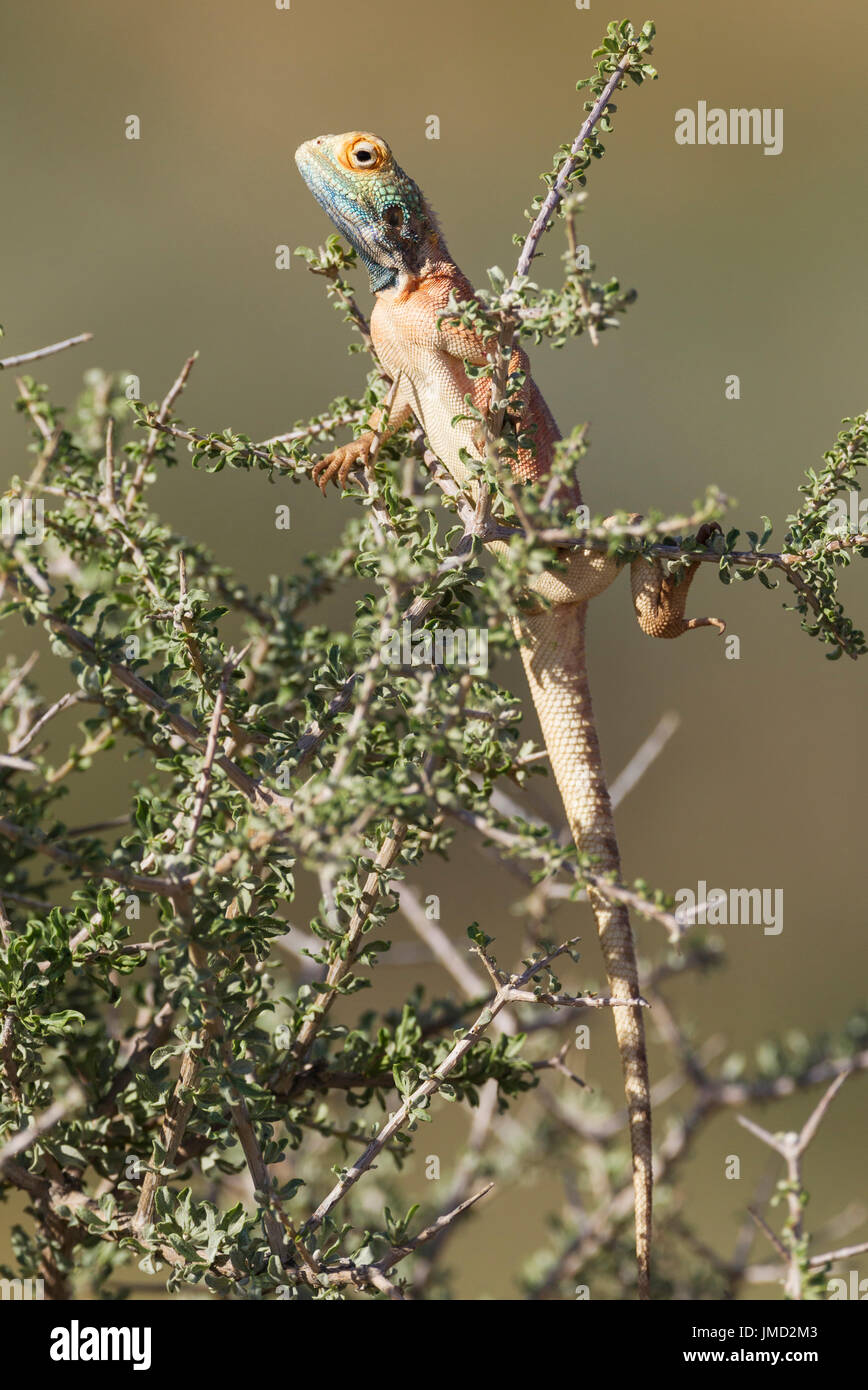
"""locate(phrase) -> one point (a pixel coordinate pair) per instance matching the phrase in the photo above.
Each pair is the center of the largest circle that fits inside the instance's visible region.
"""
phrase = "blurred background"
(744, 263)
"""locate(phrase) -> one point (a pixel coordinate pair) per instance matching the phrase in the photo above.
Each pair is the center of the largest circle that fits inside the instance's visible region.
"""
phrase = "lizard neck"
(423, 258)
(436, 273)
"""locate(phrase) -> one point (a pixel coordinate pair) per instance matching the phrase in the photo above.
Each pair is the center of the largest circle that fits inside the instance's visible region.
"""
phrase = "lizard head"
(372, 202)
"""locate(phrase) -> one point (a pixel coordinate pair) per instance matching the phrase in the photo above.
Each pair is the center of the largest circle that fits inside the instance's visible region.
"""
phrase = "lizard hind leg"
(660, 598)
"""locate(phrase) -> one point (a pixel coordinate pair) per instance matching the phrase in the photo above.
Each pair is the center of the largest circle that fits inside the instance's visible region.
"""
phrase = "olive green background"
(744, 263)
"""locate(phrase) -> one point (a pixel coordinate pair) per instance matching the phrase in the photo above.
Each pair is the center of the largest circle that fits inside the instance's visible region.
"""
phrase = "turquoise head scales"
(372, 202)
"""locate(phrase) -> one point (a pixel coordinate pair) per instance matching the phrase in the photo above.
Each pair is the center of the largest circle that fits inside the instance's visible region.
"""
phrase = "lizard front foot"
(337, 466)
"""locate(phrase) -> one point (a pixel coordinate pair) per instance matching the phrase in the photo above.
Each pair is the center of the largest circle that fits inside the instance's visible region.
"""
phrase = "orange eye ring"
(362, 153)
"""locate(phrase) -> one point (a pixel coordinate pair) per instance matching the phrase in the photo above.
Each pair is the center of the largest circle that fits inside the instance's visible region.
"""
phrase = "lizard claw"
(337, 466)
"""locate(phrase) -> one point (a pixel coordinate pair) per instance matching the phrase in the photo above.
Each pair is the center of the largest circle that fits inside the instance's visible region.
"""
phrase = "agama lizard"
(423, 348)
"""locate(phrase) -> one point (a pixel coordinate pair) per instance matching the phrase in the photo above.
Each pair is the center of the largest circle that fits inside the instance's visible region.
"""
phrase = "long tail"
(553, 651)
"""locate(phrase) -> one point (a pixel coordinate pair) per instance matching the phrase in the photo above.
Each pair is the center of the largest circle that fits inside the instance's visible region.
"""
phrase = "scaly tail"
(553, 651)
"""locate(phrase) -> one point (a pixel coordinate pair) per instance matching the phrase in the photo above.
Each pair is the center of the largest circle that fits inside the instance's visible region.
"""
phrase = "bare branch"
(24, 357)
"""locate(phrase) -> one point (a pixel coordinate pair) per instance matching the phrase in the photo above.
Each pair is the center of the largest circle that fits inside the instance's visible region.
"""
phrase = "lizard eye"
(363, 153)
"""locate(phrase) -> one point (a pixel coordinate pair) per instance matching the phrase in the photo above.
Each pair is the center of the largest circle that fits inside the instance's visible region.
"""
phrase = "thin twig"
(233, 661)
(41, 1125)
(511, 991)
(24, 357)
(145, 461)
